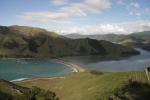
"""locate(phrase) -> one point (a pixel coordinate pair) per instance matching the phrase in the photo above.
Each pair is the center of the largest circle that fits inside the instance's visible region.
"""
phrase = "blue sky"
(78, 16)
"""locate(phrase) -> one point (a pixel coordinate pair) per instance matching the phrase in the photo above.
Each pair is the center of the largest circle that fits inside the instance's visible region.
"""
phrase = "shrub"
(96, 72)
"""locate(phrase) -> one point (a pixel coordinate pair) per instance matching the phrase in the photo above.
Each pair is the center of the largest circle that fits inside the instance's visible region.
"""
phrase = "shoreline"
(76, 68)
(38, 78)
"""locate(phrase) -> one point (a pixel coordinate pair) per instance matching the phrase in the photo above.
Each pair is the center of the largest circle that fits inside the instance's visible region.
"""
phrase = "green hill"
(24, 41)
(80, 86)
(97, 86)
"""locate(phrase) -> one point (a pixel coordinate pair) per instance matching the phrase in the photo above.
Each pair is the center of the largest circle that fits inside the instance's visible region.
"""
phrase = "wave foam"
(20, 79)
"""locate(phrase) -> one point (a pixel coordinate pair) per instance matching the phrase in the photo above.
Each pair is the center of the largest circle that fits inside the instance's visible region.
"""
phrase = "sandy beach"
(75, 67)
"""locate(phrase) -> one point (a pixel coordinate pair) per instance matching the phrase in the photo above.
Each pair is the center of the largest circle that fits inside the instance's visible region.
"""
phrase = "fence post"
(147, 75)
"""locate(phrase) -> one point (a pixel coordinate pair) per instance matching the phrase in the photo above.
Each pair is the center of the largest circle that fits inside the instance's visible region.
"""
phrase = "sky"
(78, 16)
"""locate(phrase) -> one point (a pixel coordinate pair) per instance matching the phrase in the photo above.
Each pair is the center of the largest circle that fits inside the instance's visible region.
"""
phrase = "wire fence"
(140, 76)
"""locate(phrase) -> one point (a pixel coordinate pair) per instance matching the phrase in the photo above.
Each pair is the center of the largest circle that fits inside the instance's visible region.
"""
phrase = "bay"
(12, 69)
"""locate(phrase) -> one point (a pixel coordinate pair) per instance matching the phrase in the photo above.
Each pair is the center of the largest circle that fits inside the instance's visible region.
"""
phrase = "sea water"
(133, 63)
(12, 69)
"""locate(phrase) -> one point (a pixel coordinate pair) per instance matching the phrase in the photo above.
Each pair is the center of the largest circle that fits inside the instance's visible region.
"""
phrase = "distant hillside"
(23, 41)
(113, 37)
(107, 37)
(138, 39)
(142, 35)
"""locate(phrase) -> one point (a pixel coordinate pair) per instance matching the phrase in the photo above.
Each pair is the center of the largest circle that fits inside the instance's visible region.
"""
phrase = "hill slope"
(23, 41)
(97, 86)
(10, 91)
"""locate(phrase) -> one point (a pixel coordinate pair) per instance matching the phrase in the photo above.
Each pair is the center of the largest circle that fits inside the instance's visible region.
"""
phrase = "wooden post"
(147, 75)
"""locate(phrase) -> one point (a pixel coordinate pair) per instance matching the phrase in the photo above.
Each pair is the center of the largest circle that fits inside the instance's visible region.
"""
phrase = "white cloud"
(120, 2)
(147, 10)
(86, 7)
(74, 29)
(69, 10)
(73, 11)
(134, 5)
(59, 2)
(44, 16)
(135, 14)
(117, 28)
(137, 26)
(97, 29)
(104, 29)
(95, 6)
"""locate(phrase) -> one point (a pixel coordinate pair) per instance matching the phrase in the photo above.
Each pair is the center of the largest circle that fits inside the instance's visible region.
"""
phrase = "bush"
(96, 72)
(37, 93)
(31, 94)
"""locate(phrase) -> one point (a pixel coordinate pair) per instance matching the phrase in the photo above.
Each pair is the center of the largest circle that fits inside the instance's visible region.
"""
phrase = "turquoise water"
(12, 69)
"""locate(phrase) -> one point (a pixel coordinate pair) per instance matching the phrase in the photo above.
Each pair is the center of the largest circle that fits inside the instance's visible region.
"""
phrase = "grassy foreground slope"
(10, 91)
(89, 86)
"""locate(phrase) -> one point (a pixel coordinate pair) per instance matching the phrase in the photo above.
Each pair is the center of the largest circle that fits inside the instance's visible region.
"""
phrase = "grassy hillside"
(97, 86)
(23, 41)
(10, 91)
